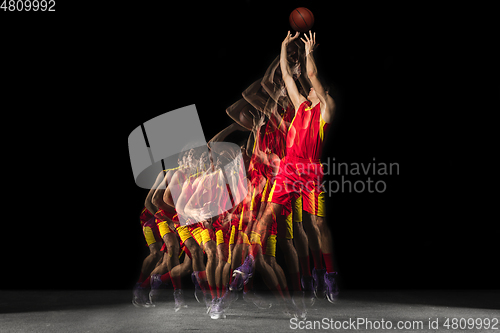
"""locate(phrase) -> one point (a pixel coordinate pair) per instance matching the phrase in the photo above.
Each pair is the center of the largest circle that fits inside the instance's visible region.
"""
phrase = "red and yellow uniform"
(161, 217)
(149, 227)
(301, 171)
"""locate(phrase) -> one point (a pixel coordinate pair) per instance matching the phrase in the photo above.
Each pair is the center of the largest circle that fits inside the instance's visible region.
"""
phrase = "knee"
(321, 223)
(154, 250)
(298, 228)
(268, 260)
(210, 250)
(196, 252)
(172, 250)
(260, 262)
(155, 254)
(187, 268)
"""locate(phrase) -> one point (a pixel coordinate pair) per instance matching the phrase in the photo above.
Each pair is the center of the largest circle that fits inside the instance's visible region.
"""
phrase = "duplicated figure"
(281, 175)
(301, 169)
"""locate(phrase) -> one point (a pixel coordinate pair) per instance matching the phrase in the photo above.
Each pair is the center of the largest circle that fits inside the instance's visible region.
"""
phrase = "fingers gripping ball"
(301, 19)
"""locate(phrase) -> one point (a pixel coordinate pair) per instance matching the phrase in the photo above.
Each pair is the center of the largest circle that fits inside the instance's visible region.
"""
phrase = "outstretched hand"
(310, 42)
(289, 38)
(258, 121)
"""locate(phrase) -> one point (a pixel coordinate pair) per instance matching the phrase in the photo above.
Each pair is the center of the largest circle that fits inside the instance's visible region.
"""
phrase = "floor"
(357, 310)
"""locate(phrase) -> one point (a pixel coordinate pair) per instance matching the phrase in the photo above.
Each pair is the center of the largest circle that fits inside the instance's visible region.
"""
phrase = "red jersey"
(273, 140)
(145, 216)
(306, 133)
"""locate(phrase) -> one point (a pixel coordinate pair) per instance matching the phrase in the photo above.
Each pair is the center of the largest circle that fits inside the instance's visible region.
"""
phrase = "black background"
(417, 85)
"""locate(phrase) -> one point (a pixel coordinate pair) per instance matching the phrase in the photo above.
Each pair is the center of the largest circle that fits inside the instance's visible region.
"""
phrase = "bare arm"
(148, 202)
(225, 132)
(193, 204)
(157, 197)
(295, 97)
(327, 102)
(183, 199)
(257, 125)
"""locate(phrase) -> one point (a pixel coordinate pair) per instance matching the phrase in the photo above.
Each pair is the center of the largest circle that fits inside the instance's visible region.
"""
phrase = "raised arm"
(195, 203)
(219, 137)
(157, 197)
(148, 202)
(295, 97)
(327, 102)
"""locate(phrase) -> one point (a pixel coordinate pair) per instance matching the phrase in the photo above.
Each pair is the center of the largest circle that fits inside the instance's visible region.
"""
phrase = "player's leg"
(140, 292)
(196, 255)
(285, 241)
(152, 237)
(199, 269)
(325, 279)
(217, 310)
(314, 240)
(244, 272)
(310, 205)
(259, 240)
(222, 257)
(228, 295)
(170, 260)
(172, 244)
(331, 276)
(302, 247)
(226, 273)
(274, 278)
(240, 249)
(149, 263)
(161, 276)
(210, 248)
(291, 306)
(237, 253)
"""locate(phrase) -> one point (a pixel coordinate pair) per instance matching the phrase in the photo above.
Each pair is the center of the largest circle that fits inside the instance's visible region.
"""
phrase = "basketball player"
(152, 236)
(301, 170)
(259, 169)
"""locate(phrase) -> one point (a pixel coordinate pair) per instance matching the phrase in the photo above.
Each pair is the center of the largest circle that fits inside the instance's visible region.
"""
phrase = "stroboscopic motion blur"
(219, 214)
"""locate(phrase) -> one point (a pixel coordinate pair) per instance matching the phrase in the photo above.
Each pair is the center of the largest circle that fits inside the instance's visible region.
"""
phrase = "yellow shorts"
(233, 233)
(219, 235)
(164, 228)
(294, 216)
(314, 203)
(271, 246)
(205, 236)
(149, 235)
(255, 238)
(231, 242)
(244, 238)
(196, 232)
(185, 232)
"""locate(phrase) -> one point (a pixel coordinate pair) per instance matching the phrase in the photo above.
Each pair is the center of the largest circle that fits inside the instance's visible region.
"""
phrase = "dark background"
(417, 85)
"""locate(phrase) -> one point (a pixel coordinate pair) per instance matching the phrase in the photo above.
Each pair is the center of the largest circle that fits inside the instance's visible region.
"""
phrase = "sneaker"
(319, 282)
(290, 309)
(179, 300)
(140, 297)
(307, 283)
(300, 306)
(332, 287)
(258, 301)
(207, 297)
(155, 282)
(242, 274)
(228, 298)
(198, 293)
(217, 310)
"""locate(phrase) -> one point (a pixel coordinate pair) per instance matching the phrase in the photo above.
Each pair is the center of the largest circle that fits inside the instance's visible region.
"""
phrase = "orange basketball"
(301, 19)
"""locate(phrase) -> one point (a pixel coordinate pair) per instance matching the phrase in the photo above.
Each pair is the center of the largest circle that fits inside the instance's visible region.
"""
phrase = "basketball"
(301, 19)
